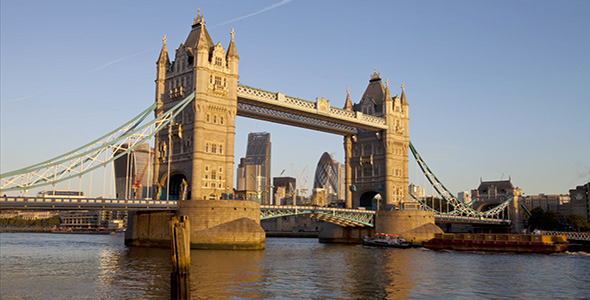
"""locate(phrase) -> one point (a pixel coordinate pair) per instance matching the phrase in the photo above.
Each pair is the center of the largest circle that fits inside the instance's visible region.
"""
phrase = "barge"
(516, 243)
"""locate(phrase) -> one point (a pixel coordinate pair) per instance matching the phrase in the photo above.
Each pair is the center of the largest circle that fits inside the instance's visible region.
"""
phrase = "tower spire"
(404, 99)
(163, 58)
(348, 103)
(231, 49)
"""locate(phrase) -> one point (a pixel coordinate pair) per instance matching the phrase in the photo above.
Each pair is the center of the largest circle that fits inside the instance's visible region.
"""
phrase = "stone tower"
(378, 161)
(195, 156)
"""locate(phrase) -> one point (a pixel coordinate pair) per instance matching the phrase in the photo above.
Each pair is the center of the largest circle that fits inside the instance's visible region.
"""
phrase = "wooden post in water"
(181, 258)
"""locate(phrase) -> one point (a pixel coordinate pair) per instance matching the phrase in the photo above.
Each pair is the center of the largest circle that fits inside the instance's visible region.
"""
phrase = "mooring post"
(181, 258)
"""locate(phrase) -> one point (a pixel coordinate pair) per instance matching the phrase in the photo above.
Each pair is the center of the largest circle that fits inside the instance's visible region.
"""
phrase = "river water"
(78, 266)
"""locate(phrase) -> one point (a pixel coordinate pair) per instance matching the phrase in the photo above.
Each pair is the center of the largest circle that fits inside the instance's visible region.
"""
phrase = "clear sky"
(497, 89)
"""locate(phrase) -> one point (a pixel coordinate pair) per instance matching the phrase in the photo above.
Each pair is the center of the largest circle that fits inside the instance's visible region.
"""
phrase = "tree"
(578, 222)
(550, 221)
(536, 218)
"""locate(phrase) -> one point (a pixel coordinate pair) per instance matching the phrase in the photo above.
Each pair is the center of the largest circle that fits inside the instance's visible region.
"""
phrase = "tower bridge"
(193, 130)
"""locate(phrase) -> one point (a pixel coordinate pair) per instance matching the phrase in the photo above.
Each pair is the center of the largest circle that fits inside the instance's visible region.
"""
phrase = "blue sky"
(496, 88)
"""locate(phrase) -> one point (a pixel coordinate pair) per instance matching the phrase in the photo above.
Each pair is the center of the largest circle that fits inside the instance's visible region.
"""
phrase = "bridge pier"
(215, 224)
(224, 224)
(415, 226)
(149, 229)
(332, 233)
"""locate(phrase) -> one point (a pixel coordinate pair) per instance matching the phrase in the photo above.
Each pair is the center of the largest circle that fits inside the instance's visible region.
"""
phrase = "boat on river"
(516, 243)
(386, 240)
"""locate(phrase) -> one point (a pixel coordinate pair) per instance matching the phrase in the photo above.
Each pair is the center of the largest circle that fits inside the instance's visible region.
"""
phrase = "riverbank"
(56, 230)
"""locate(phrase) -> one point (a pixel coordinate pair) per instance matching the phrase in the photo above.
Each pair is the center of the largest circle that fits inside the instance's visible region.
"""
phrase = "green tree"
(536, 218)
(578, 222)
(550, 221)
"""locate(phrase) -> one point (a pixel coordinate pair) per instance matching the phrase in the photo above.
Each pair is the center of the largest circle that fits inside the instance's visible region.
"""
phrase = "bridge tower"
(194, 156)
(197, 152)
(377, 162)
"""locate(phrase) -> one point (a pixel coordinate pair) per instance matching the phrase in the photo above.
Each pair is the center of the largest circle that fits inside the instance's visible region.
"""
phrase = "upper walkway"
(279, 108)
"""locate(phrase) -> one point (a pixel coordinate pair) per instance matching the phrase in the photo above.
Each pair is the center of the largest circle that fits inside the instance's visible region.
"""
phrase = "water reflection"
(225, 273)
(49, 266)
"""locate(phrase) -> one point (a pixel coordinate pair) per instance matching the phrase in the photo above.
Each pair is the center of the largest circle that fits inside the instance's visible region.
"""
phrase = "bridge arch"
(484, 206)
(179, 187)
(370, 200)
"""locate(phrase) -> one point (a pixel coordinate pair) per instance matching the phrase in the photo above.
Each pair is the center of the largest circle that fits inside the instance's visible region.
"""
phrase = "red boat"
(517, 243)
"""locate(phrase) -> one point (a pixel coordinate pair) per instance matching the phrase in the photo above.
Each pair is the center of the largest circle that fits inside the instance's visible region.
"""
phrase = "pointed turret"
(231, 56)
(163, 59)
(348, 103)
(404, 99)
(163, 64)
(231, 49)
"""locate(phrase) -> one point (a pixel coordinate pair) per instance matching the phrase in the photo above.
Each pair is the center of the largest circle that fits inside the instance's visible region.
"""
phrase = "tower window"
(220, 149)
(213, 148)
(217, 80)
(221, 120)
(218, 61)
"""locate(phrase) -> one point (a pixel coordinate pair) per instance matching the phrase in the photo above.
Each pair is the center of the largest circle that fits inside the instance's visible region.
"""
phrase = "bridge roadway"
(340, 216)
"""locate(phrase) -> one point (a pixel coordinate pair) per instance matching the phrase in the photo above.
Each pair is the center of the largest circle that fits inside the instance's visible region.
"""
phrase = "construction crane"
(299, 180)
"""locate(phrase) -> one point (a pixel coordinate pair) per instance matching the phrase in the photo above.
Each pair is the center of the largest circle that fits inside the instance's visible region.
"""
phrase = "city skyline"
(496, 90)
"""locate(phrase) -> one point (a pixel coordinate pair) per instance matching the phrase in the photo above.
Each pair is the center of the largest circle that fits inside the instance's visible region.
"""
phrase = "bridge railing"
(85, 204)
(340, 216)
(576, 236)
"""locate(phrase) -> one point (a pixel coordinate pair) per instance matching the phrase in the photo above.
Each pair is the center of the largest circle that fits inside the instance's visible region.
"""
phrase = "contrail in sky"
(122, 58)
(255, 13)
(276, 5)
(21, 98)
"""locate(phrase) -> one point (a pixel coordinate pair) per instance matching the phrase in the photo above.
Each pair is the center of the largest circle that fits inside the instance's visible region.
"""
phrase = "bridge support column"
(148, 229)
(348, 172)
(332, 233)
(224, 224)
(415, 226)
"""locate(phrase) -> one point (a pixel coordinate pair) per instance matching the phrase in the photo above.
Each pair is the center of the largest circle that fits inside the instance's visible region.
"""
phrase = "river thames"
(78, 266)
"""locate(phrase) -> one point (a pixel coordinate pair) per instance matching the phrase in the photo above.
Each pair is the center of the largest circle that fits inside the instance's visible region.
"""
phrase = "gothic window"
(221, 120)
(367, 150)
(207, 118)
(213, 148)
(217, 80)
(210, 78)
(214, 119)
(224, 82)
(206, 168)
(218, 61)
(367, 170)
(220, 169)
(220, 149)
(207, 148)
(175, 146)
